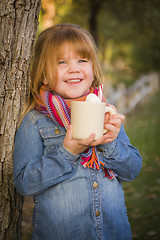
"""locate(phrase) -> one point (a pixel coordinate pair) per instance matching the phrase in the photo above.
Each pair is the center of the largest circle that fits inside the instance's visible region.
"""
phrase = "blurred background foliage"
(127, 32)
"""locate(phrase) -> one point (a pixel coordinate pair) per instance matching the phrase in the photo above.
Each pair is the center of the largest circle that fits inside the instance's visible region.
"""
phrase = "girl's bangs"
(79, 47)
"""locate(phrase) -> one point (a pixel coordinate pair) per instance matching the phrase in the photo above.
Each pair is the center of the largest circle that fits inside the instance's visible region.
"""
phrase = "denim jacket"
(72, 202)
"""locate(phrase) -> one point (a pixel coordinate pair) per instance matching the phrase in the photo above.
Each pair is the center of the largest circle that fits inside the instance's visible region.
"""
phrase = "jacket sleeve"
(123, 158)
(34, 171)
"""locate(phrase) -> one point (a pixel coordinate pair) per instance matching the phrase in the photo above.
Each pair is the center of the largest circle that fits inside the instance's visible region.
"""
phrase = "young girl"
(74, 198)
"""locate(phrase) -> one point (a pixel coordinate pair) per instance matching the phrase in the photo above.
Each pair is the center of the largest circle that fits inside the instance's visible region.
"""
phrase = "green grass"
(143, 194)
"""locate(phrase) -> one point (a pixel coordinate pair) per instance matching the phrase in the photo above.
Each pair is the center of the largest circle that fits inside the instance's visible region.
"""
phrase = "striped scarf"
(59, 110)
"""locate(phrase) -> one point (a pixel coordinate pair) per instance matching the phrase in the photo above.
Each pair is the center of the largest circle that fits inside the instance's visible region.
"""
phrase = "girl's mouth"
(73, 80)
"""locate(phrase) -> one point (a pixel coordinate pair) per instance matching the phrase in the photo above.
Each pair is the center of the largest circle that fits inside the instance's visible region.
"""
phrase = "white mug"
(88, 118)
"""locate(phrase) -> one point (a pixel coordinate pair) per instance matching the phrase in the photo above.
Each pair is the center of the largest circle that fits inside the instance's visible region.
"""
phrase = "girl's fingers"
(83, 143)
(87, 141)
(107, 117)
(118, 116)
(99, 141)
(112, 124)
(104, 139)
(115, 120)
(109, 127)
(69, 132)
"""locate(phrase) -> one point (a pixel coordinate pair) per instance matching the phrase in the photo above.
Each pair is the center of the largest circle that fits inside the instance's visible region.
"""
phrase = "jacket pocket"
(52, 136)
(53, 132)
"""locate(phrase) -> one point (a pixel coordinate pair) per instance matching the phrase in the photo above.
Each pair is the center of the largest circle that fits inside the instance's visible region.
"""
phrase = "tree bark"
(18, 26)
(95, 6)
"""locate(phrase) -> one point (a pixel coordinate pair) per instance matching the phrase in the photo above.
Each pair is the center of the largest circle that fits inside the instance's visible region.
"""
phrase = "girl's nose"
(73, 68)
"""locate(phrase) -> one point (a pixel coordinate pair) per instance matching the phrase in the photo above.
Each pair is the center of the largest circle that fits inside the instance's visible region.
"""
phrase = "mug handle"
(112, 112)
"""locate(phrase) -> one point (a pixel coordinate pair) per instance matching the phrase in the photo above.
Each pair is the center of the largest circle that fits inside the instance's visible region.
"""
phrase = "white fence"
(126, 99)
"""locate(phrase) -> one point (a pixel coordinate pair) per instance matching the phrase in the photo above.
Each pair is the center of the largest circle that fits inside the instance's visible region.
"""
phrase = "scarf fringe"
(90, 159)
(110, 173)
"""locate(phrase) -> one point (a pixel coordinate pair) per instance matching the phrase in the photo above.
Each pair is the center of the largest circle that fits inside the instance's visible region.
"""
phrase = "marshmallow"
(92, 98)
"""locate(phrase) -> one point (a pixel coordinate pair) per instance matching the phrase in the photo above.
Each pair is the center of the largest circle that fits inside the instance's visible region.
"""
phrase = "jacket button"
(97, 213)
(57, 131)
(95, 185)
(100, 149)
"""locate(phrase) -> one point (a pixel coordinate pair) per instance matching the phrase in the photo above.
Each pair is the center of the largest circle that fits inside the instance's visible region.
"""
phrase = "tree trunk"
(95, 6)
(18, 23)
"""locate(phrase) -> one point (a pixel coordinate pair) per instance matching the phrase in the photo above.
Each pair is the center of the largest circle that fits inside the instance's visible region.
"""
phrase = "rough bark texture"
(18, 26)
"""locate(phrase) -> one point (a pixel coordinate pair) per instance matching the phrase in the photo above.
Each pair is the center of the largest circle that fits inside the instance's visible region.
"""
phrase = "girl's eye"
(83, 60)
(62, 62)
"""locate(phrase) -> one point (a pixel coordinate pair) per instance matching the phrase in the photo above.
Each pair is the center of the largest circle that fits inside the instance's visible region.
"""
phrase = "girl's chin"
(74, 95)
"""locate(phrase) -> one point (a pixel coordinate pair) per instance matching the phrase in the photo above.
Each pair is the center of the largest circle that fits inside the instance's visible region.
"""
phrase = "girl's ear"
(45, 82)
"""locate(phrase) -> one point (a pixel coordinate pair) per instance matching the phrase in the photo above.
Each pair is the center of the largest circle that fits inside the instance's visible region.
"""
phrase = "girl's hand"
(76, 146)
(112, 123)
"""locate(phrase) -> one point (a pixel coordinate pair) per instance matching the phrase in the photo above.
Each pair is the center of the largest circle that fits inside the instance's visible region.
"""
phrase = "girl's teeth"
(73, 80)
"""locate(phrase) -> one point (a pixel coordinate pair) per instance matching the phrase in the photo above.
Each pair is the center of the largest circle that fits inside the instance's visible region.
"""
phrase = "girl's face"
(74, 75)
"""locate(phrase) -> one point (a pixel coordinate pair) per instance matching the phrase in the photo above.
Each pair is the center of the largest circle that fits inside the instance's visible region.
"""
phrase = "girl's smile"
(75, 75)
(73, 80)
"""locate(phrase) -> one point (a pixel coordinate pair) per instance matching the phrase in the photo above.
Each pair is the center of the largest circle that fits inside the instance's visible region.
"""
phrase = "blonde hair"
(49, 49)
